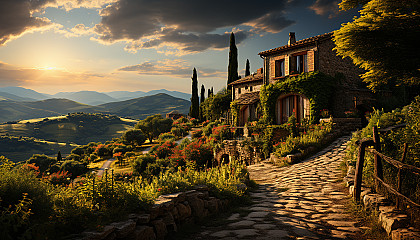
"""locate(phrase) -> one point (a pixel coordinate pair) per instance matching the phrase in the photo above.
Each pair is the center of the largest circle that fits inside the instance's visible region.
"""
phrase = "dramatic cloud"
(16, 18)
(186, 24)
(324, 7)
(176, 68)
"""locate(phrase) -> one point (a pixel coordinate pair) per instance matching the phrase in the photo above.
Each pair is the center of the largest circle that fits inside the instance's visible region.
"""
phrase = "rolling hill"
(24, 92)
(11, 97)
(140, 108)
(86, 97)
(12, 110)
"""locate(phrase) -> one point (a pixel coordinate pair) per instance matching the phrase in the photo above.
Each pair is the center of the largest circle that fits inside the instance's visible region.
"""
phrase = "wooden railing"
(401, 200)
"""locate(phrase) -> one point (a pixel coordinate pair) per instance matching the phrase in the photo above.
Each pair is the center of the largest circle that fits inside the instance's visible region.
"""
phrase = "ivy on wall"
(234, 109)
(316, 86)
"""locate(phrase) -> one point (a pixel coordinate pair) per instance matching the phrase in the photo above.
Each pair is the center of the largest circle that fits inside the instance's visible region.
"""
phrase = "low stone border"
(166, 216)
(393, 221)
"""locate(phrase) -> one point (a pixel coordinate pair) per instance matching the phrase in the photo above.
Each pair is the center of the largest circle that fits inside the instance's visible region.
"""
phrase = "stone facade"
(166, 216)
(307, 55)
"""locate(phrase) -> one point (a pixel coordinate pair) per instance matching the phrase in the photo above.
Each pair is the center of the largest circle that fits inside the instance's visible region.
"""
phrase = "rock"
(144, 218)
(184, 211)
(374, 201)
(123, 229)
(164, 204)
(175, 213)
(178, 197)
(169, 221)
(197, 206)
(201, 188)
(107, 231)
(213, 206)
(160, 228)
(393, 220)
(143, 233)
(405, 234)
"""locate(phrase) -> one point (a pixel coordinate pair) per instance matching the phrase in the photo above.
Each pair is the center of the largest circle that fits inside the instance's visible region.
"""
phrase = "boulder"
(143, 233)
(160, 229)
(123, 229)
(184, 211)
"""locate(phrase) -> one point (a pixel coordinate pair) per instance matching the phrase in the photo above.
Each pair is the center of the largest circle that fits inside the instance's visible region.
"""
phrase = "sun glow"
(47, 68)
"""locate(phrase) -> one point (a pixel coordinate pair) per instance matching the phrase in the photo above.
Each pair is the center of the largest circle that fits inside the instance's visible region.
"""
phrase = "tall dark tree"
(212, 91)
(202, 98)
(208, 93)
(247, 72)
(59, 158)
(233, 60)
(203, 91)
(195, 104)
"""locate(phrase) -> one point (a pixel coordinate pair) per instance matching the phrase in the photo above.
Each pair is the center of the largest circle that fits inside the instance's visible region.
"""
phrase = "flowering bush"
(313, 138)
(58, 178)
(221, 132)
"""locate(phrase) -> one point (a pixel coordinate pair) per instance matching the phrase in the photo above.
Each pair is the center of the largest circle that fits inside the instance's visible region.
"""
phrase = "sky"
(140, 45)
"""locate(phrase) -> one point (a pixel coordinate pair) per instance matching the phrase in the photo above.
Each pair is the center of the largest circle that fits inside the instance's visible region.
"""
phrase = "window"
(300, 63)
(250, 88)
(279, 68)
(246, 87)
(239, 90)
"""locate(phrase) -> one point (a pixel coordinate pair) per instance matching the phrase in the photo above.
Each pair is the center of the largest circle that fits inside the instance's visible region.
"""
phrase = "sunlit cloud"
(176, 68)
(324, 7)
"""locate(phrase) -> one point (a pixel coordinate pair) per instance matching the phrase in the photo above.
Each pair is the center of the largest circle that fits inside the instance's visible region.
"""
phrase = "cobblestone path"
(302, 201)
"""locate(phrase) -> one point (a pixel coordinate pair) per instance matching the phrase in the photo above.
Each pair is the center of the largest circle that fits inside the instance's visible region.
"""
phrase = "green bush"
(42, 161)
(140, 164)
(392, 144)
(166, 136)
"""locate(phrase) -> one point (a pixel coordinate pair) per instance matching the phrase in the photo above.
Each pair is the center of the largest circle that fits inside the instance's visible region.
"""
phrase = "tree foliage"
(215, 106)
(154, 125)
(134, 136)
(383, 41)
(233, 60)
(194, 109)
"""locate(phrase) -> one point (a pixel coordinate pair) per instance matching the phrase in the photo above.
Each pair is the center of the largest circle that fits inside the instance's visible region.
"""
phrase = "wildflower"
(159, 189)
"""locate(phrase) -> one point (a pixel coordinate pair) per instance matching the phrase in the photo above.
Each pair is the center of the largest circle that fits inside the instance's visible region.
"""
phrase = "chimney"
(292, 38)
(260, 70)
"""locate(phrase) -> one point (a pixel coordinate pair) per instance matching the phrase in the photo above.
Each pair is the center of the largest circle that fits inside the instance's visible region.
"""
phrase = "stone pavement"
(302, 201)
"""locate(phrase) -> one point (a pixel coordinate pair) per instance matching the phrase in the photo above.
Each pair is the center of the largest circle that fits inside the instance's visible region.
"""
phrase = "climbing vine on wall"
(234, 109)
(316, 86)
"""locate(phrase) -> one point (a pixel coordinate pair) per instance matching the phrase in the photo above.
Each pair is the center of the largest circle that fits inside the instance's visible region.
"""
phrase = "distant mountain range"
(138, 108)
(94, 98)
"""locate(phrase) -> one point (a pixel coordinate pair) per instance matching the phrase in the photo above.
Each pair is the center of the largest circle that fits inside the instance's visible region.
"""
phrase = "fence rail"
(402, 200)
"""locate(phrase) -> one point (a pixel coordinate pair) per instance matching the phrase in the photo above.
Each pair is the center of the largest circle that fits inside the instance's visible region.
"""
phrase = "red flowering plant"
(58, 178)
(32, 167)
(198, 152)
(164, 150)
(221, 132)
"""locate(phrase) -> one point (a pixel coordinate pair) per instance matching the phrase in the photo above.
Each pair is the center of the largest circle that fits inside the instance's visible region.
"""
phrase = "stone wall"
(167, 215)
(237, 149)
(246, 88)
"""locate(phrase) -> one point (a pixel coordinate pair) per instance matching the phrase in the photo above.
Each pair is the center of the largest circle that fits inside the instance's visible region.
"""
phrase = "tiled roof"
(297, 44)
(248, 98)
(250, 78)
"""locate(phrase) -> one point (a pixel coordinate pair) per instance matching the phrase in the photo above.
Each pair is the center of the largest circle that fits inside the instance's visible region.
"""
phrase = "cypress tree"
(247, 73)
(208, 93)
(59, 158)
(194, 109)
(203, 91)
(233, 60)
(212, 92)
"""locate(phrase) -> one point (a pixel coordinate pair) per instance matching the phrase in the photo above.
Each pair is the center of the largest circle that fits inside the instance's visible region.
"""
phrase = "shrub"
(73, 168)
(166, 136)
(140, 164)
(42, 161)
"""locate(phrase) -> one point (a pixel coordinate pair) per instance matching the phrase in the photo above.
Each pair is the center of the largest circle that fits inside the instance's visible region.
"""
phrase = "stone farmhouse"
(314, 54)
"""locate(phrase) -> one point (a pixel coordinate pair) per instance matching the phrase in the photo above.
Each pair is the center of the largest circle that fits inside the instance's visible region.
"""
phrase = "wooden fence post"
(377, 161)
(359, 171)
(399, 175)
